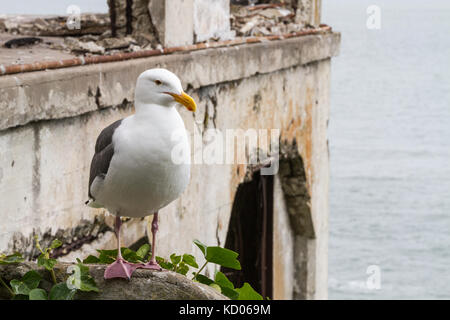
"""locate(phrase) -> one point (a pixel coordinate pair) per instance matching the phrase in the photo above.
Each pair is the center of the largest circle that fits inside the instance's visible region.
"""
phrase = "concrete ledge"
(144, 285)
(62, 93)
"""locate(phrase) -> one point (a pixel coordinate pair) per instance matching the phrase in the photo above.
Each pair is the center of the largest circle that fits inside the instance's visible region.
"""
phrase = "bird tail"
(91, 203)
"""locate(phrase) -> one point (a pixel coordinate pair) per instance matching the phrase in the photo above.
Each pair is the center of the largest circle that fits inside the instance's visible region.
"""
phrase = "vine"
(29, 286)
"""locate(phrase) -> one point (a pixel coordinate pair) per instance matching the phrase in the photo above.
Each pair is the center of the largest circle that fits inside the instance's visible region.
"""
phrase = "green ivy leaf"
(32, 279)
(130, 255)
(107, 256)
(230, 293)
(201, 246)
(143, 251)
(47, 263)
(55, 244)
(91, 260)
(109, 253)
(18, 287)
(12, 258)
(182, 268)
(175, 259)
(216, 287)
(223, 257)
(222, 280)
(203, 279)
(61, 291)
(226, 286)
(189, 259)
(81, 279)
(29, 281)
(38, 294)
(248, 293)
(164, 264)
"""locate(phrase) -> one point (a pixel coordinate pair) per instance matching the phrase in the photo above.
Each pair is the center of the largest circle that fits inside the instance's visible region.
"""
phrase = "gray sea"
(389, 134)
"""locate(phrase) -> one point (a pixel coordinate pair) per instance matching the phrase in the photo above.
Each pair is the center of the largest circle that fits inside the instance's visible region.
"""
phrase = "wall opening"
(250, 233)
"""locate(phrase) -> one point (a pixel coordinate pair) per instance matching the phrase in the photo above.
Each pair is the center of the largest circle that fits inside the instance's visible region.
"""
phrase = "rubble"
(106, 34)
(117, 43)
(20, 42)
(78, 46)
(54, 25)
(264, 20)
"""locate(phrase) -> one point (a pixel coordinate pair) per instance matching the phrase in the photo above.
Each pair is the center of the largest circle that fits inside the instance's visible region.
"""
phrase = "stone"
(264, 20)
(144, 284)
(142, 28)
(117, 43)
(173, 21)
(76, 45)
(55, 25)
(212, 20)
(308, 12)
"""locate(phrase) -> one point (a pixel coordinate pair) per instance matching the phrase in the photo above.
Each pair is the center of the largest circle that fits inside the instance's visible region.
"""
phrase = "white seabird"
(132, 172)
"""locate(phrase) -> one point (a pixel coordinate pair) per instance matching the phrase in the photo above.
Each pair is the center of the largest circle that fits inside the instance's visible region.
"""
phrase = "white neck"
(151, 110)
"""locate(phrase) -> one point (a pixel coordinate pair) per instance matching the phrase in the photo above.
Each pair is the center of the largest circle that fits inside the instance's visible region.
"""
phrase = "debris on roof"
(264, 20)
(49, 36)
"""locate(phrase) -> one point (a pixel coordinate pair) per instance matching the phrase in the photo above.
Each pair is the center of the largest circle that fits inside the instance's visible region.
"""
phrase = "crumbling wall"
(50, 120)
(183, 22)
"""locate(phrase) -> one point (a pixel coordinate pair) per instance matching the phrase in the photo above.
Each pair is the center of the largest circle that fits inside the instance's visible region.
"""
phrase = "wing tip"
(91, 203)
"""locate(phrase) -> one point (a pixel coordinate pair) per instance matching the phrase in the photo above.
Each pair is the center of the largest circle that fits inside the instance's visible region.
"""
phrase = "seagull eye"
(158, 82)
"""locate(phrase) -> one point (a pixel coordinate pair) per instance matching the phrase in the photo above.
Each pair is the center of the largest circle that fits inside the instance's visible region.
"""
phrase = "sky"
(50, 6)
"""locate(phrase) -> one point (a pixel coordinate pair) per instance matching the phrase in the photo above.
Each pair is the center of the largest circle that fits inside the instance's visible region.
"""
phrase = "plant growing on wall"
(27, 287)
(184, 262)
(79, 278)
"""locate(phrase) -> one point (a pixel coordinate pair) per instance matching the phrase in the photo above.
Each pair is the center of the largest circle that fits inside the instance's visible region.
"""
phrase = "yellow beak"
(186, 100)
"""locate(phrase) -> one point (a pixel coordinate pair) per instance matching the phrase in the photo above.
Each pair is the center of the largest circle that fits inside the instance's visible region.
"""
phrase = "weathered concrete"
(308, 12)
(144, 284)
(212, 20)
(50, 120)
(173, 21)
(283, 250)
(104, 85)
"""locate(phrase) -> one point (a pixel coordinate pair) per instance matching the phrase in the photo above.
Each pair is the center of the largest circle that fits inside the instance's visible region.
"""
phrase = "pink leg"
(119, 268)
(152, 264)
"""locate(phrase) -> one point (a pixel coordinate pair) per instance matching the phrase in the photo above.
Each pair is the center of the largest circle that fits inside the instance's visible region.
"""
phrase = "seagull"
(133, 172)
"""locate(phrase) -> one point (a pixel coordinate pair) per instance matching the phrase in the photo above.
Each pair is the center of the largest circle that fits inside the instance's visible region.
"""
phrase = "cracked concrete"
(49, 122)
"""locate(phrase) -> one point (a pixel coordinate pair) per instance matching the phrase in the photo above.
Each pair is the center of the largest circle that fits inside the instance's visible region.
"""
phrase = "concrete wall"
(49, 122)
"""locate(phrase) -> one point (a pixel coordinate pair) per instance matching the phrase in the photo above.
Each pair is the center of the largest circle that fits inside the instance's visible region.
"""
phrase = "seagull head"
(162, 87)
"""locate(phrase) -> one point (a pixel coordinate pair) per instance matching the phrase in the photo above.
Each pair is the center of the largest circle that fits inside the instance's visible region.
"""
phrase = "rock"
(117, 43)
(23, 41)
(264, 20)
(55, 25)
(274, 13)
(144, 284)
(78, 46)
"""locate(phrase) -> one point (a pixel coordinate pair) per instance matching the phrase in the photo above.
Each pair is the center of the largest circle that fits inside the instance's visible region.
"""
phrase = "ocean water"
(389, 135)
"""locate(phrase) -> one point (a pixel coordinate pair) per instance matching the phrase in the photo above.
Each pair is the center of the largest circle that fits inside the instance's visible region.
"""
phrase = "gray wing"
(104, 151)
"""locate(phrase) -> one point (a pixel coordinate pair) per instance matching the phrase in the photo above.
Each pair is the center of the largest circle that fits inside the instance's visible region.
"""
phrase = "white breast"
(143, 176)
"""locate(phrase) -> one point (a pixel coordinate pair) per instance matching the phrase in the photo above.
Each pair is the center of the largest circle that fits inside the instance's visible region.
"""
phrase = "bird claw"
(120, 269)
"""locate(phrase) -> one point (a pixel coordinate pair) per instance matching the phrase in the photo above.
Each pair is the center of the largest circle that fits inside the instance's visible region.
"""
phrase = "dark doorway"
(250, 233)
